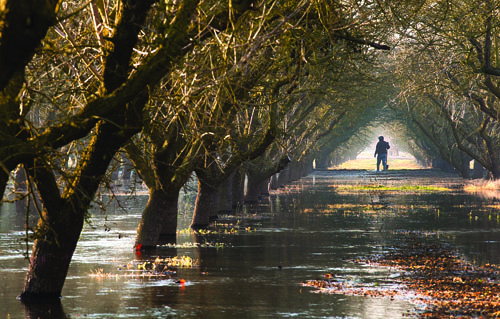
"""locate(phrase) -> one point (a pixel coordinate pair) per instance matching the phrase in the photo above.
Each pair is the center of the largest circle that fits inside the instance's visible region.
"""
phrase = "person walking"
(381, 151)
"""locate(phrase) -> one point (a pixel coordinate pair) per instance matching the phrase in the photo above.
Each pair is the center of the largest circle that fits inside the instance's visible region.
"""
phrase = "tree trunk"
(20, 184)
(308, 168)
(494, 169)
(4, 179)
(159, 220)
(128, 168)
(164, 179)
(238, 192)
(478, 170)
(295, 171)
(206, 205)
(257, 186)
(226, 195)
(259, 176)
(284, 177)
(50, 259)
(304, 168)
(465, 167)
(63, 216)
(442, 165)
(23, 28)
(168, 234)
(253, 189)
(273, 183)
(495, 173)
(322, 163)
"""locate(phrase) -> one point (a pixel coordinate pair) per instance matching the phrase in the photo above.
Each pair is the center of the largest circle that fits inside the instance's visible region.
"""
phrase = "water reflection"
(297, 234)
(53, 309)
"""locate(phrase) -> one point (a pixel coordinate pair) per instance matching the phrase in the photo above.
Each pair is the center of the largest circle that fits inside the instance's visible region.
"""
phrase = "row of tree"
(441, 86)
(224, 90)
(448, 85)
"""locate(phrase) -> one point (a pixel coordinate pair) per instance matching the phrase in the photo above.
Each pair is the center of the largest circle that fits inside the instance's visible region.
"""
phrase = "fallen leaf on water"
(449, 286)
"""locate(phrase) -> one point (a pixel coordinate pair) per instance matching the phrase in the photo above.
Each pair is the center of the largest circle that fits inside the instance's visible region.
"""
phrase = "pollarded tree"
(461, 36)
(419, 85)
(224, 153)
(212, 128)
(104, 114)
(475, 134)
(243, 111)
(173, 137)
(332, 50)
(439, 61)
(344, 34)
(433, 124)
(64, 213)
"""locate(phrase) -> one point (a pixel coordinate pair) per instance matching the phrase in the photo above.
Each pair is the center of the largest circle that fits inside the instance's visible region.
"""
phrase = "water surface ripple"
(299, 233)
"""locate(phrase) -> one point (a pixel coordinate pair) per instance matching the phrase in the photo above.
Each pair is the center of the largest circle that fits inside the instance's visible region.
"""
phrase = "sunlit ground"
(365, 160)
(482, 184)
(484, 188)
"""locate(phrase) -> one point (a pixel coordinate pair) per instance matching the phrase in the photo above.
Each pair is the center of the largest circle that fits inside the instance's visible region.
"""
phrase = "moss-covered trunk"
(165, 175)
(124, 95)
(158, 224)
(168, 231)
(63, 216)
(50, 259)
(478, 170)
(206, 205)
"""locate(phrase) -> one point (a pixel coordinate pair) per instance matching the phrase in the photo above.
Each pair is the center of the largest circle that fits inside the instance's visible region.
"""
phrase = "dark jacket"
(382, 147)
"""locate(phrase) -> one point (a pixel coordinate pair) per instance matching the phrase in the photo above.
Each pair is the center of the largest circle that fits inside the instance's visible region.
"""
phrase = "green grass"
(403, 188)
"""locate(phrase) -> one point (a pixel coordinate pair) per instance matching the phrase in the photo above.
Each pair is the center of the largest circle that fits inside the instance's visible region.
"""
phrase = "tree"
(113, 114)
(109, 72)
(174, 133)
(442, 66)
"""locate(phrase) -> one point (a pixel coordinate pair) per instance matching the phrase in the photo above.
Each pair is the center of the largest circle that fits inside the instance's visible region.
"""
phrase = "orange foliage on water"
(450, 286)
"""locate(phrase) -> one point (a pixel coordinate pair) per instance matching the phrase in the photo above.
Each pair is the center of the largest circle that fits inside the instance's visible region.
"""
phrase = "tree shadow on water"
(52, 309)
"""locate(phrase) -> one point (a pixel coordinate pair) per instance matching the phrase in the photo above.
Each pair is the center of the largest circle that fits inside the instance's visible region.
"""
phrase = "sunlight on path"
(366, 161)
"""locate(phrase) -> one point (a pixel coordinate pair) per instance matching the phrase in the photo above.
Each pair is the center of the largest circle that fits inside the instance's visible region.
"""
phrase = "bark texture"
(206, 205)
(159, 220)
(63, 218)
(64, 215)
(23, 25)
(226, 195)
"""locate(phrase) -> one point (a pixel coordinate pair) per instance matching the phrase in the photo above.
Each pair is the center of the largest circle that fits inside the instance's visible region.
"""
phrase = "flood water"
(254, 266)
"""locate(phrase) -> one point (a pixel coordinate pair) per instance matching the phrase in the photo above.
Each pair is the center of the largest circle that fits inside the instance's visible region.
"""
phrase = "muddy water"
(299, 233)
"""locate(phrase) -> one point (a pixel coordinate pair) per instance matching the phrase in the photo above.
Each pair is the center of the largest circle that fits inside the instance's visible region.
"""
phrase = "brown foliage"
(450, 286)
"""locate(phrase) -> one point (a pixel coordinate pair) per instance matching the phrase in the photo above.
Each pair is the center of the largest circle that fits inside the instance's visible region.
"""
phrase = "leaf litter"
(431, 275)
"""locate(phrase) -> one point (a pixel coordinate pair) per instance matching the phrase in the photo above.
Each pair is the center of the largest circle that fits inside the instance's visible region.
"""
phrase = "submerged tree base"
(43, 308)
(449, 286)
(39, 298)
